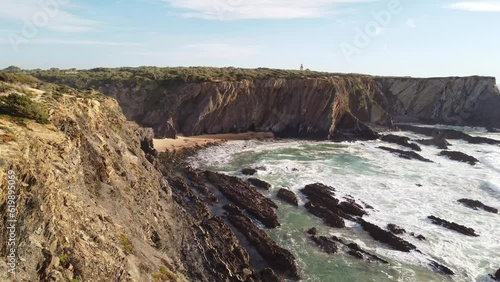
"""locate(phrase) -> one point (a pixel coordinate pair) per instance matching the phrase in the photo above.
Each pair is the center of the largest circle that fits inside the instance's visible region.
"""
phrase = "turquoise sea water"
(389, 184)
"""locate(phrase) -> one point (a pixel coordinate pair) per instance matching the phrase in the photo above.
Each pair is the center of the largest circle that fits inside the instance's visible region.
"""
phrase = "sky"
(423, 38)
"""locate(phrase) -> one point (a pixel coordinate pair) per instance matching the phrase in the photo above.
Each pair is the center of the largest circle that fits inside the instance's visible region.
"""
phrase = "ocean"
(403, 192)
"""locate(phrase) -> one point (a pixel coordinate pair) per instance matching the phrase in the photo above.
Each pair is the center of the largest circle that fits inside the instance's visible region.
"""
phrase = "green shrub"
(126, 244)
(164, 275)
(21, 106)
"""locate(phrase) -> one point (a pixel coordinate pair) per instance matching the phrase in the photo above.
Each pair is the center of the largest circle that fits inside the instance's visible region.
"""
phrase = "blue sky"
(384, 37)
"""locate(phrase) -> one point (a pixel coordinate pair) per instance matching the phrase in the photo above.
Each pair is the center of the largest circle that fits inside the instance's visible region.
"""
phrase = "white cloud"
(411, 23)
(51, 14)
(258, 9)
(477, 6)
(379, 31)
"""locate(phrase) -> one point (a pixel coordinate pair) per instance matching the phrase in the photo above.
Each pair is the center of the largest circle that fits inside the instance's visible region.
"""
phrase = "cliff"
(303, 106)
(83, 198)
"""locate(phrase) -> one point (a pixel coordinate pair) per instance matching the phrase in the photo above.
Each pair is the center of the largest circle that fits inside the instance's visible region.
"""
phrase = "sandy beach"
(181, 142)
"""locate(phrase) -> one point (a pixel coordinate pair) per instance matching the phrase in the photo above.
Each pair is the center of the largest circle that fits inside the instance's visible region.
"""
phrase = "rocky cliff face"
(304, 107)
(90, 203)
(457, 101)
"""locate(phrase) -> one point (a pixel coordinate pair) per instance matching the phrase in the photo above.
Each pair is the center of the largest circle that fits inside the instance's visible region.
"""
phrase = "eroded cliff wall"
(301, 106)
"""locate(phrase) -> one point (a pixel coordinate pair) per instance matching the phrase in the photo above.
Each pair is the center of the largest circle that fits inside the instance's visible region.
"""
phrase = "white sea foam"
(389, 184)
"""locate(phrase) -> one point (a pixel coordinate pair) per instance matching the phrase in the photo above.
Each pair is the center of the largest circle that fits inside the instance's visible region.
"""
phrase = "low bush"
(21, 106)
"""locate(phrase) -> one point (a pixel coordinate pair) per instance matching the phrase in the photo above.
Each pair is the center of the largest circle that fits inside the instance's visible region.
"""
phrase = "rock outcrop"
(453, 226)
(409, 155)
(281, 259)
(460, 157)
(288, 196)
(475, 205)
(259, 183)
(449, 134)
(386, 237)
(438, 142)
(400, 140)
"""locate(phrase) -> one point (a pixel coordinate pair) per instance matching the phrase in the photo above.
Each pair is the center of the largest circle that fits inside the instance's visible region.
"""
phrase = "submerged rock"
(449, 134)
(312, 231)
(395, 229)
(330, 218)
(279, 258)
(288, 196)
(386, 237)
(248, 171)
(410, 155)
(360, 253)
(400, 140)
(475, 205)
(328, 245)
(259, 183)
(497, 274)
(441, 268)
(453, 226)
(459, 156)
(438, 142)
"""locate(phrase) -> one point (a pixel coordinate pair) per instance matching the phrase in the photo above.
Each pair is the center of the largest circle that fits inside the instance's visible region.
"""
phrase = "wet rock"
(497, 274)
(288, 196)
(328, 245)
(268, 275)
(441, 268)
(459, 156)
(386, 237)
(438, 142)
(246, 197)
(364, 254)
(475, 205)
(312, 231)
(320, 193)
(409, 155)
(449, 134)
(400, 140)
(248, 171)
(280, 259)
(355, 254)
(330, 218)
(453, 226)
(352, 208)
(259, 183)
(419, 237)
(395, 229)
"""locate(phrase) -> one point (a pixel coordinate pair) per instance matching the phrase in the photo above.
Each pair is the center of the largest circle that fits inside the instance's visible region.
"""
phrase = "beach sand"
(181, 142)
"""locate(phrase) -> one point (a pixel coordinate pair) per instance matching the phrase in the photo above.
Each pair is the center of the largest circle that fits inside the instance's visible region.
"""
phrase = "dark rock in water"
(386, 237)
(395, 229)
(312, 231)
(458, 156)
(492, 130)
(259, 183)
(419, 185)
(350, 128)
(350, 207)
(330, 218)
(328, 245)
(410, 155)
(400, 140)
(497, 274)
(449, 134)
(246, 197)
(268, 275)
(421, 237)
(320, 193)
(440, 143)
(475, 205)
(288, 196)
(441, 268)
(249, 171)
(355, 254)
(453, 226)
(280, 259)
(355, 247)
